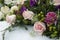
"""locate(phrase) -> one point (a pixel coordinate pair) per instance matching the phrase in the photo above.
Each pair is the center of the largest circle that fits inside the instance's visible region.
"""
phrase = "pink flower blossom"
(28, 15)
(39, 27)
(56, 2)
(11, 19)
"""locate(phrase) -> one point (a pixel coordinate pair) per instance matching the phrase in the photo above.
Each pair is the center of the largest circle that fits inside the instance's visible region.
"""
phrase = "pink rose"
(11, 19)
(39, 27)
(56, 2)
(28, 15)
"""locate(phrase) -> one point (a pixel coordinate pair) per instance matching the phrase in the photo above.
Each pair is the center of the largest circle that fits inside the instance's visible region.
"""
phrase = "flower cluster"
(6, 12)
(43, 17)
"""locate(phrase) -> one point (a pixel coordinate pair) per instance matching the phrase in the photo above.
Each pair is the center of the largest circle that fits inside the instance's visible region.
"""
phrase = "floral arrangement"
(43, 15)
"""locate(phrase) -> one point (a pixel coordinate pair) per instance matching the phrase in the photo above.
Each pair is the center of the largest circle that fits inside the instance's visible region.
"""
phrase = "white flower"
(20, 1)
(14, 2)
(56, 2)
(14, 8)
(1, 15)
(28, 15)
(39, 27)
(5, 9)
(7, 1)
(11, 19)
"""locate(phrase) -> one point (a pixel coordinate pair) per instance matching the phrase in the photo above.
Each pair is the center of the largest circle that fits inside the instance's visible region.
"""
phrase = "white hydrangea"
(28, 15)
(5, 9)
(1, 15)
(14, 8)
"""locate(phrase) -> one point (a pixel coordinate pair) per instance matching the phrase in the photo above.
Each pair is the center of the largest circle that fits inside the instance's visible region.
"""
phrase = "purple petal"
(23, 8)
(32, 2)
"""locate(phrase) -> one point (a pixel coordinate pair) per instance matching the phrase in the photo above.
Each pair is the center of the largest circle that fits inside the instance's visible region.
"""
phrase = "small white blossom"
(20, 1)
(5, 9)
(7, 1)
(14, 2)
(28, 15)
(14, 8)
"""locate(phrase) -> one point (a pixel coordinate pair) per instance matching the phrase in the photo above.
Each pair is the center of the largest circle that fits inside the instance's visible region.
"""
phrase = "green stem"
(58, 18)
(58, 22)
(26, 28)
(58, 13)
(3, 36)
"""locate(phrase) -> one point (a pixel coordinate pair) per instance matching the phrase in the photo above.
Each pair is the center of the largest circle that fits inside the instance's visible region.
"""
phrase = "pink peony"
(39, 27)
(51, 17)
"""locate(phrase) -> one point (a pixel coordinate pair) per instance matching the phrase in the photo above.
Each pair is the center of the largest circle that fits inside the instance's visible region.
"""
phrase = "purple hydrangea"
(51, 17)
(23, 8)
(33, 2)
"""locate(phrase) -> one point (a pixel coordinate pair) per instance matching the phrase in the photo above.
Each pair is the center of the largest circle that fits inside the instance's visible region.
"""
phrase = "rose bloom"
(20, 2)
(14, 2)
(39, 27)
(5, 9)
(56, 2)
(14, 8)
(11, 19)
(7, 1)
(28, 15)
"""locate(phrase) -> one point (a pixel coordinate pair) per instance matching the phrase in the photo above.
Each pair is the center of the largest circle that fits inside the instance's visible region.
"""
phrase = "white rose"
(14, 8)
(56, 2)
(28, 15)
(20, 1)
(11, 19)
(1, 15)
(5, 9)
(14, 1)
(7, 1)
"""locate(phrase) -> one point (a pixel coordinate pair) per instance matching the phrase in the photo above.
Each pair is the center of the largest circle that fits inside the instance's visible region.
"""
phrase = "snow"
(19, 33)
(22, 34)
(4, 25)
(1, 35)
